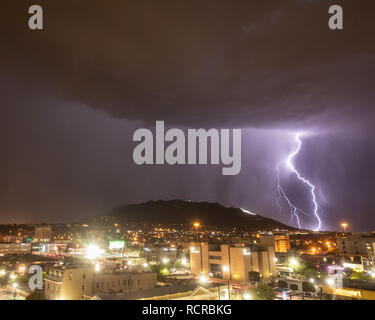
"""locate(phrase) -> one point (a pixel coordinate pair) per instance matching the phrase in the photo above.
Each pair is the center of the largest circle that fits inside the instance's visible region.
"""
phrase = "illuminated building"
(349, 293)
(43, 234)
(232, 262)
(356, 244)
(76, 283)
(9, 248)
(281, 242)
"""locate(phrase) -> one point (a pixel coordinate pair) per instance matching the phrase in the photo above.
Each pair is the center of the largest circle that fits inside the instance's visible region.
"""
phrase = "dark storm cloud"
(246, 63)
(73, 94)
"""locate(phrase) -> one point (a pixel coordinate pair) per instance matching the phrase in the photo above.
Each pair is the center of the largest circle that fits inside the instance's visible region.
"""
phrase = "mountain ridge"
(186, 212)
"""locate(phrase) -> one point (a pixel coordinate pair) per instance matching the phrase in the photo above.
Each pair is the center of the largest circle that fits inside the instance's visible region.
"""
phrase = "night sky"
(73, 94)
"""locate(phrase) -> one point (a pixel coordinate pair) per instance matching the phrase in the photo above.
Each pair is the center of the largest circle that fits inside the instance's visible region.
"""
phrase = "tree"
(36, 295)
(254, 276)
(308, 287)
(263, 292)
(359, 276)
(160, 271)
(177, 264)
(311, 273)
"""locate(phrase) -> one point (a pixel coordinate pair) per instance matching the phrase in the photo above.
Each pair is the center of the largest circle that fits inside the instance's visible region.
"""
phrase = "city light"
(247, 296)
(145, 265)
(183, 262)
(13, 276)
(312, 280)
(225, 268)
(165, 260)
(330, 282)
(21, 269)
(93, 252)
(15, 285)
(246, 252)
(196, 224)
(293, 262)
(97, 267)
(2, 272)
(203, 279)
(165, 271)
(344, 225)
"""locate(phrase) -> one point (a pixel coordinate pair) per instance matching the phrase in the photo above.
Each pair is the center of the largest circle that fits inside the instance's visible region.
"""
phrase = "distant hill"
(186, 212)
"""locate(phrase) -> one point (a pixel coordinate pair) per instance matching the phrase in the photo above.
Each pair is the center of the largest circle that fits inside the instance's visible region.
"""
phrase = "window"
(83, 276)
(83, 287)
(214, 257)
(97, 285)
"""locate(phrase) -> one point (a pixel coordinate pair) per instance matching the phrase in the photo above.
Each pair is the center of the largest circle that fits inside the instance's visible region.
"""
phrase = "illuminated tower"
(335, 277)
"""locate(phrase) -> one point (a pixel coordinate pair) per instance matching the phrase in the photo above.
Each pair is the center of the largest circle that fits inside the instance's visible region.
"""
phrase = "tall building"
(356, 244)
(76, 283)
(43, 234)
(280, 241)
(233, 262)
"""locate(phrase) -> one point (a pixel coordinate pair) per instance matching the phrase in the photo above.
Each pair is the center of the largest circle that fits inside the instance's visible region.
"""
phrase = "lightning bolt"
(294, 211)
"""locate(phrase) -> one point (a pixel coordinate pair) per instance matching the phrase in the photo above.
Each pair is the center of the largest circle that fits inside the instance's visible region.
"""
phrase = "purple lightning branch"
(293, 209)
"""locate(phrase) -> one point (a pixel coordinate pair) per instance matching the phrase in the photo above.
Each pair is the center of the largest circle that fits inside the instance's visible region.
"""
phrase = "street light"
(344, 225)
(93, 252)
(203, 279)
(247, 296)
(293, 262)
(330, 282)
